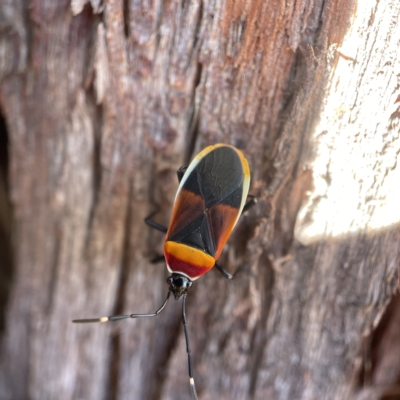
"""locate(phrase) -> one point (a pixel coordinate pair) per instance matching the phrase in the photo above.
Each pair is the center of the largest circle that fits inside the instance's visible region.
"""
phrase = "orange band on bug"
(187, 260)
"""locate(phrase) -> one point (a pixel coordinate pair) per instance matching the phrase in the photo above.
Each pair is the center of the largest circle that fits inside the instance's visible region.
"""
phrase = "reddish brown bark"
(103, 102)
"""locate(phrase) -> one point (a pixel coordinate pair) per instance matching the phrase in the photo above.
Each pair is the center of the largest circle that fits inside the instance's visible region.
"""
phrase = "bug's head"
(178, 285)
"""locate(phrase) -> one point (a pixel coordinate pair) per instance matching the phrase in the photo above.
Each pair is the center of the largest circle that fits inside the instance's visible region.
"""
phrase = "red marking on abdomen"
(193, 271)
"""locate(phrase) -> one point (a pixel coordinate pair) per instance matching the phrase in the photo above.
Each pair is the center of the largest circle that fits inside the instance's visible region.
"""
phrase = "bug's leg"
(158, 259)
(191, 379)
(181, 171)
(252, 202)
(159, 227)
(118, 317)
(148, 220)
(224, 272)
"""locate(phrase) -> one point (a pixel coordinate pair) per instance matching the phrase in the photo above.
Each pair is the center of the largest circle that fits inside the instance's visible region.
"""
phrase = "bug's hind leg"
(251, 203)
(148, 220)
(181, 171)
(224, 272)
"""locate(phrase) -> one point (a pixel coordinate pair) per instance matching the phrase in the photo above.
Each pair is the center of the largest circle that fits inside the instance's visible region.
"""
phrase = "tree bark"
(103, 101)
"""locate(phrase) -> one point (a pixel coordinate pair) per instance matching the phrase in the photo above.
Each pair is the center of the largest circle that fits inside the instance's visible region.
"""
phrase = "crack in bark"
(125, 12)
(196, 41)
(115, 340)
(96, 162)
(6, 222)
(260, 335)
(379, 353)
(193, 130)
(54, 269)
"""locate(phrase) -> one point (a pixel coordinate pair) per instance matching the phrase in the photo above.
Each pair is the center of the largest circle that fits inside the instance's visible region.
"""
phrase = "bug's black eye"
(179, 282)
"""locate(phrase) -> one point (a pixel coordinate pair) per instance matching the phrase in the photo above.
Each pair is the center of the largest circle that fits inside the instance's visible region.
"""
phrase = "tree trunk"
(103, 101)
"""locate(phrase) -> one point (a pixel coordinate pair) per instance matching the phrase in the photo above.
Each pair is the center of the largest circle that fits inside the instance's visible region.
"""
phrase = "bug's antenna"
(118, 317)
(191, 379)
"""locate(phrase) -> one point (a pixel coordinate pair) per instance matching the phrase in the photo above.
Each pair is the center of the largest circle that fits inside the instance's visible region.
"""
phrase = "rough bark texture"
(103, 101)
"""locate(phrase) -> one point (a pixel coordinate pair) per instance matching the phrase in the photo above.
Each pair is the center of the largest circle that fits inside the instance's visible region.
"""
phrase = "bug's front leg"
(252, 202)
(181, 171)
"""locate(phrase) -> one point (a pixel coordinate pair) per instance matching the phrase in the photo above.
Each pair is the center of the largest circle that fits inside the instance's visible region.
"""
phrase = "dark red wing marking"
(222, 219)
(187, 208)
